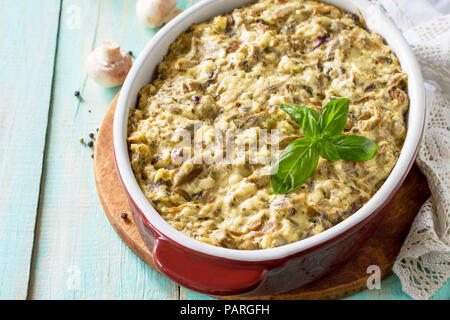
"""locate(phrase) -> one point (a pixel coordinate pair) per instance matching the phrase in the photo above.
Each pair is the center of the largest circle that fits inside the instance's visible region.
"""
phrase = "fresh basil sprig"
(322, 136)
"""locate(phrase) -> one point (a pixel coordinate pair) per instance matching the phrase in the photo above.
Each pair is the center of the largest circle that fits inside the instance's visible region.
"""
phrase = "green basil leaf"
(310, 126)
(298, 112)
(328, 150)
(352, 147)
(333, 117)
(296, 164)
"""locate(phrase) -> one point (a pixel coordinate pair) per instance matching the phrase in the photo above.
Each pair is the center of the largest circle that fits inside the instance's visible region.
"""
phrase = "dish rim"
(206, 9)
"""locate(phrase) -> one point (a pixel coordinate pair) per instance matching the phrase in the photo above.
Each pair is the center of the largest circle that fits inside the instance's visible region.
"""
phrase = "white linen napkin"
(423, 264)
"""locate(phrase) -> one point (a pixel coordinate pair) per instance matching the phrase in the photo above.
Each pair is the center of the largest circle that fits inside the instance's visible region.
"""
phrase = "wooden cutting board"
(348, 279)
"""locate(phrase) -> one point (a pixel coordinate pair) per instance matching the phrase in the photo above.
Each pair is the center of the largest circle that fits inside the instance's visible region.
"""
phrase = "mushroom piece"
(108, 65)
(154, 13)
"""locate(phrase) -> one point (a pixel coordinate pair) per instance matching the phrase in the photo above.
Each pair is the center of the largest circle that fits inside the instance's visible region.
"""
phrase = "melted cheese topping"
(233, 72)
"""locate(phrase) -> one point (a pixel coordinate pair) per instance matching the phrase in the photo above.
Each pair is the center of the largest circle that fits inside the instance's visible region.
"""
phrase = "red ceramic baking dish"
(221, 271)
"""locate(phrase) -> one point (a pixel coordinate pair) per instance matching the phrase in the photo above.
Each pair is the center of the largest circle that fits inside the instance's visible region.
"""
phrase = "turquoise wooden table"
(55, 240)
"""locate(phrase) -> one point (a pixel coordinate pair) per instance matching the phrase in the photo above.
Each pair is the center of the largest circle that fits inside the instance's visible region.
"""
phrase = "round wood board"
(347, 279)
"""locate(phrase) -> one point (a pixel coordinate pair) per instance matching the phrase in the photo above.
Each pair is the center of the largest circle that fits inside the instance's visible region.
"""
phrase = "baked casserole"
(231, 74)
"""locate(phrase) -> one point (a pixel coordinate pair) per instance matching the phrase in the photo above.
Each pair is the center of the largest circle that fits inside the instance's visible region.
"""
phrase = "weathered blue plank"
(78, 254)
(28, 33)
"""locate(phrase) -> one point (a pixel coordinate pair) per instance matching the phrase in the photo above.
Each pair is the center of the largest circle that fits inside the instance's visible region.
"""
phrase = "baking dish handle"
(203, 274)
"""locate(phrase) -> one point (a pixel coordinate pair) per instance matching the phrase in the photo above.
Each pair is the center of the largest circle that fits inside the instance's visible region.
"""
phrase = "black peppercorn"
(77, 93)
(91, 135)
(124, 216)
(91, 144)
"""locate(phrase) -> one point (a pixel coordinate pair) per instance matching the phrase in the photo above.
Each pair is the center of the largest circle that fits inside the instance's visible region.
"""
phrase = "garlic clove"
(108, 65)
(154, 13)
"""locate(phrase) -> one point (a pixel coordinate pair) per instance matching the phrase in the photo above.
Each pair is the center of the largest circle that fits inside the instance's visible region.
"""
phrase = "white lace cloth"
(423, 264)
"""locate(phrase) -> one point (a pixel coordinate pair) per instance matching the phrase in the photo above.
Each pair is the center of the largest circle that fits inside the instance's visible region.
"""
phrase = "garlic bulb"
(154, 13)
(108, 65)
